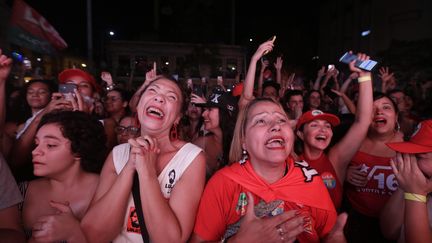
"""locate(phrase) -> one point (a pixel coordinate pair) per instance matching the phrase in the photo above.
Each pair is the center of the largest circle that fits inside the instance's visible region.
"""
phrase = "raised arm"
(278, 65)
(105, 217)
(247, 93)
(264, 65)
(388, 81)
(346, 100)
(341, 154)
(150, 75)
(416, 187)
(320, 74)
(347, 82)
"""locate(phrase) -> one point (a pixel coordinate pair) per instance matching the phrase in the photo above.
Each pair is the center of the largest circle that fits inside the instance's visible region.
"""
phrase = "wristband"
(415, 197)
(364, 79)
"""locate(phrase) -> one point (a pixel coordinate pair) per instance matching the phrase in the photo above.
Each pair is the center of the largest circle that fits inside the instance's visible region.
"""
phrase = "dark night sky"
(200, 21)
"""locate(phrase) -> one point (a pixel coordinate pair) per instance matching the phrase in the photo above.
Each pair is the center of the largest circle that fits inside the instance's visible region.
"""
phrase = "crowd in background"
(277, 158)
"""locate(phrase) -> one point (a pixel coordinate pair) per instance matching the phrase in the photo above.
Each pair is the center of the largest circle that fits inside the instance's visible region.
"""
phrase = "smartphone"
(272, 39)
(67, 88)
(367, 65)
(330, 67)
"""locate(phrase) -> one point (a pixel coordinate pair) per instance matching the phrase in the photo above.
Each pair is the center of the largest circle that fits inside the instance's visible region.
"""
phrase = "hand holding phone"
(366, 65)
(272, 40)
(67, 90)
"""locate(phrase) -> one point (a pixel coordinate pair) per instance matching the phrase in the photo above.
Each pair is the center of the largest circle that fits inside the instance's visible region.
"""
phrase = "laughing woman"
(315, 129)
(170, 173)
(291, 200)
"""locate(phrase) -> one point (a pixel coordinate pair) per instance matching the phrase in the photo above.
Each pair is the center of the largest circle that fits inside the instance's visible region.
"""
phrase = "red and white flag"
(29, 20)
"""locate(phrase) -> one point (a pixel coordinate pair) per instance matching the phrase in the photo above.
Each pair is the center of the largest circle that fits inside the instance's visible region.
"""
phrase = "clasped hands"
(143, 154)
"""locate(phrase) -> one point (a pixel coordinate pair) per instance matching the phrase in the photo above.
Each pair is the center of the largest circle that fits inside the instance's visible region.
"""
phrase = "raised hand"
(150, 75)
(361, 57)
(385, 74)
(82, 103)
(409, 176)
(279, 62)
(197, 99)
(263, 48)
(321, 72)
(281, 228)
(106, 76)
(388, 79)
(5, 66)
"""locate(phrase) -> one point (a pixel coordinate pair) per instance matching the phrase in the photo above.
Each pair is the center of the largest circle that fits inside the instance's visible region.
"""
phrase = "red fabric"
(28, 19)
(369, 200)
(66, 74)
(420, 141)
(218, 204)
(312, 115)
(329, 177)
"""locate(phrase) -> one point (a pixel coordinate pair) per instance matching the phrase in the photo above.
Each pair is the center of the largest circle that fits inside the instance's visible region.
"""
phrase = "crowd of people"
(276, 159)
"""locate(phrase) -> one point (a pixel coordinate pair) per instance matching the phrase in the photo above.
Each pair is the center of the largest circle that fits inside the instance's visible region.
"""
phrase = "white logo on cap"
(416, 130)
(317, 112)
(216, 99)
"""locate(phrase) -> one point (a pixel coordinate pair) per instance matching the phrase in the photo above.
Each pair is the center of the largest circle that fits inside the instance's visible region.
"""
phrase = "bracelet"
(415, 197)
(364, 79)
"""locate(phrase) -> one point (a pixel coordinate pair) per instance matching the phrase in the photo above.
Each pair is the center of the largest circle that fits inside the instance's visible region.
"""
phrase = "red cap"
(66, 74)
(238, 89)
(317, 115)
(420, 141)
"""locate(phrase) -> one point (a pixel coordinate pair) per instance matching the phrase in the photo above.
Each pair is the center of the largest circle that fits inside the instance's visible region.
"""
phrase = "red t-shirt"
(369, 200)
(223, 201)
(329, 177)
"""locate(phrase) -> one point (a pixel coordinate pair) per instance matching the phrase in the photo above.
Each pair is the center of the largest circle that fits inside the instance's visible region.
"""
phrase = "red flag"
(26, 18)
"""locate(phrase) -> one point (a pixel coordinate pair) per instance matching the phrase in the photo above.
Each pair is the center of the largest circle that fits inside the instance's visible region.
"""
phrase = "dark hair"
(22, 111)
(124, 94)
(52, 86)
(379, 95)
(306, 98)
(86, 134)
(273, 84)
(287, 96)
(227, 122)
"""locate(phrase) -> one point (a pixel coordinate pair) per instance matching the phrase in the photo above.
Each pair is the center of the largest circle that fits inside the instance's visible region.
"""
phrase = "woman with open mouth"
(315, 130)
(165, 174)
(370, 178)
(264, 195)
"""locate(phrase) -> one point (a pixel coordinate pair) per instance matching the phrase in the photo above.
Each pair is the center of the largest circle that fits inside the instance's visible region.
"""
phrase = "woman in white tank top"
(171, 176)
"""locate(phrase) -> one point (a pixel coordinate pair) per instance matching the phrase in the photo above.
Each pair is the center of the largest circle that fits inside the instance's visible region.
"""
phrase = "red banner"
(31, 21)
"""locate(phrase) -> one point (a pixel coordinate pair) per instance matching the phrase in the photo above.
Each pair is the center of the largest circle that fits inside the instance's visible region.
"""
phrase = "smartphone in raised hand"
(272, 39)
(366, 65)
